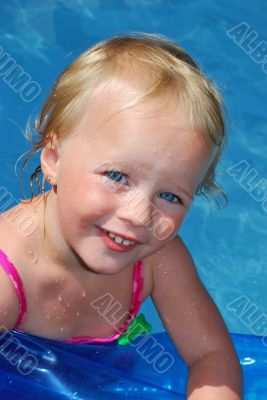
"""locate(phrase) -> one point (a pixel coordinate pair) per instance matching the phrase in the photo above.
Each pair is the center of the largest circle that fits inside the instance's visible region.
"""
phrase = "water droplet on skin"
(5, 312)
(59, 297)
(30, 251)
(62, 329)
(83, 293)
(34, 260)
(77, 313)
(47, 316)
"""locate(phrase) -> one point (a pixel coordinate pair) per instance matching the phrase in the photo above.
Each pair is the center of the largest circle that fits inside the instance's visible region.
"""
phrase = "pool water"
(228, 245)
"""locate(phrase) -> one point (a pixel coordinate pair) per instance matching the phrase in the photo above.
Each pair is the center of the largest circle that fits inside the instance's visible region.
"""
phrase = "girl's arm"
(195, 326)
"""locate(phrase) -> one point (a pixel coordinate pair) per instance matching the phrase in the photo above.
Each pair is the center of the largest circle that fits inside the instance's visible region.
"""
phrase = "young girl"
(131, 131)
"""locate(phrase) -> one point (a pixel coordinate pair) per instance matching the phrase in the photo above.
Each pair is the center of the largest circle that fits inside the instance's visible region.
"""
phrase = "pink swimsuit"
(138, 278)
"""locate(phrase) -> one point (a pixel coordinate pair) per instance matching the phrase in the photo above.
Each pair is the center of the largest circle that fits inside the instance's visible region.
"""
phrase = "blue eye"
(171, 196)
(115, 175)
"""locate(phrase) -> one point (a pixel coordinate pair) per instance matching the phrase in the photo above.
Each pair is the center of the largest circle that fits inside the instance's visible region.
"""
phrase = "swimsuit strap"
(138, 281)
(15, 278)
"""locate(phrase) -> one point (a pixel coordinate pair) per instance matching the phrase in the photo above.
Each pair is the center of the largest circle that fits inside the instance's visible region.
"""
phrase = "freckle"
(59, 297)
(83, 293)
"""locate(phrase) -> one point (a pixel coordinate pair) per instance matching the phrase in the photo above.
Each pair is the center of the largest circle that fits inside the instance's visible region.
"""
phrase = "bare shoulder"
(13, 238)
(12, 230)
(9, 304)
(174, 256)
(174, 274)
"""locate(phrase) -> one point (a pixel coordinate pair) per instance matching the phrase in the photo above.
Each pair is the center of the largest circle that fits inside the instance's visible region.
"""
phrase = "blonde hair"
(168, 71)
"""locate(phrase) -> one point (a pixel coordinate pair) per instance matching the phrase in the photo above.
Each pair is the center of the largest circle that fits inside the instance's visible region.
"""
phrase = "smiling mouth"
(119, 239)
(126, 241)
(116, 242)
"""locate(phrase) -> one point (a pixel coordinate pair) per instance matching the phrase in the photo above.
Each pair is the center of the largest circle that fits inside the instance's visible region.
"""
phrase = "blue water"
(229, 245)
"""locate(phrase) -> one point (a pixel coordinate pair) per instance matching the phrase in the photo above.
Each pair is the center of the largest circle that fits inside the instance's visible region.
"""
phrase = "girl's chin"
(105, 270)
(103, 265)
(98, 258)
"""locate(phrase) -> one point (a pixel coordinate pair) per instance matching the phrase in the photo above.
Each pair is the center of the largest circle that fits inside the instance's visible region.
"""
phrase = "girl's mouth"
(115, 242)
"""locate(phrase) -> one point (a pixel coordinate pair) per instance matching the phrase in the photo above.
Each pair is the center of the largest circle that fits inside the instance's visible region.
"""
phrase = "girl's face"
(132, 173)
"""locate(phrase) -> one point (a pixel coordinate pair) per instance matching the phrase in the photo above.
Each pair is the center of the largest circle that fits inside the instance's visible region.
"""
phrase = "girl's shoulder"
(10, 247)
(17, 226)
(173, 259)
(14, 228)
(174, 253)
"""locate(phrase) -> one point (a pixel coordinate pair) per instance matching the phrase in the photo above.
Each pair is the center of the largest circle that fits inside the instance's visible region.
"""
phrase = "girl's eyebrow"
(187, 194)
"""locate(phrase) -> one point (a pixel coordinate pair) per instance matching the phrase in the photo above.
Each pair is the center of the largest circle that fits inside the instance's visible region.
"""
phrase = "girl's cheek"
(175, 221)
(170, 216)
(95, 199)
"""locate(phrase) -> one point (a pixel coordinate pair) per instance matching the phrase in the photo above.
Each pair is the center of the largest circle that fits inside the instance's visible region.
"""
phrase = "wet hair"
(165, 71)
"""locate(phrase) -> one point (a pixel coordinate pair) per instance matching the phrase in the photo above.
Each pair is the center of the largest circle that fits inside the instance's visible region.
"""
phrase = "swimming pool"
(41, 38)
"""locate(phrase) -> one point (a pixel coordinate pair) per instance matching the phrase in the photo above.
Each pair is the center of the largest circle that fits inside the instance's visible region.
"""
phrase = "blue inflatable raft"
(33, 368)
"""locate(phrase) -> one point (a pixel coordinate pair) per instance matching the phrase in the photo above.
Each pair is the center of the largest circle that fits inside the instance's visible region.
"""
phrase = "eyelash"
(180, 201)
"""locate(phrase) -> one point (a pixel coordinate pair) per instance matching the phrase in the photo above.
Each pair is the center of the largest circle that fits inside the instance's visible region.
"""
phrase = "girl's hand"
(195, 326)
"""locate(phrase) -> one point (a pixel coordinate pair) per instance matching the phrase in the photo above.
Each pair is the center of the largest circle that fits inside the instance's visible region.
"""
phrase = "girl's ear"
(50, 160)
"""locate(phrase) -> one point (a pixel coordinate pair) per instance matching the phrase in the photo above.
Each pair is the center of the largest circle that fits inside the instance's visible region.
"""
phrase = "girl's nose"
(146, 214)
(136, 214)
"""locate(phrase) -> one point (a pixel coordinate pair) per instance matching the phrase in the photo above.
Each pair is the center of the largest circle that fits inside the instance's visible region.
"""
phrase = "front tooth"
(127, 242)
(118, 239)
